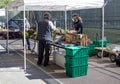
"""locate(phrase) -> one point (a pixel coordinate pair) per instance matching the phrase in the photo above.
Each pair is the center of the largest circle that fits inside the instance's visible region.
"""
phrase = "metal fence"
(91, 20)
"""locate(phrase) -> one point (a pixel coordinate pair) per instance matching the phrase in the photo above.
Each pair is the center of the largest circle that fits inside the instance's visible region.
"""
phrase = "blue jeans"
(28, 42)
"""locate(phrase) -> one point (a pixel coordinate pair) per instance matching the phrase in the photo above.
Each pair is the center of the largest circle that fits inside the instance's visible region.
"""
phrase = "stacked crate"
(76, 59)
(91, 50)
(98, 43)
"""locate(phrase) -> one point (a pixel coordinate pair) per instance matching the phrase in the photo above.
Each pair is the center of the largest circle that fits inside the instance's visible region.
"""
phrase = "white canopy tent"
(2, 12)
(53, 5)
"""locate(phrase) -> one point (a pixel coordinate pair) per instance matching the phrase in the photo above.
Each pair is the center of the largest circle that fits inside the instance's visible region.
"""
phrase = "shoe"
(29, 49)
(46, 65)
(39, 64)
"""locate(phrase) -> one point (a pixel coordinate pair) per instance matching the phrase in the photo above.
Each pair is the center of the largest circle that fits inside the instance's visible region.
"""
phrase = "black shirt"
(78, 26)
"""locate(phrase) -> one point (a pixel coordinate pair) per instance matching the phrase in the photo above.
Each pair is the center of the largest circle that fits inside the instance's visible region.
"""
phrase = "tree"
(3, 3)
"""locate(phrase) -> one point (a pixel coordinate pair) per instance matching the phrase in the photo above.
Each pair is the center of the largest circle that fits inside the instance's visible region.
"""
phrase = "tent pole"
(102, 30)
(65, 19)
(24, 40)
(7, 41)
(103, 26)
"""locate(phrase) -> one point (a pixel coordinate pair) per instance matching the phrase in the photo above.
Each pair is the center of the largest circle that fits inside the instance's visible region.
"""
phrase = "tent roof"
(2, 12)
(54, 5)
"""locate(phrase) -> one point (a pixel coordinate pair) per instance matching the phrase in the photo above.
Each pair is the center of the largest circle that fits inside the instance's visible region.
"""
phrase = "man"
(27, 26)
(45, 28)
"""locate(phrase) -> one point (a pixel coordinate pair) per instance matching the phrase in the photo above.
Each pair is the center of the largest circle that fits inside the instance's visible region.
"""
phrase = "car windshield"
(18, 22)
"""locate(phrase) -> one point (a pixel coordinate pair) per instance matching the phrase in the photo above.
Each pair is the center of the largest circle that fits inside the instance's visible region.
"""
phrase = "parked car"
(2, 24)
(15, 26)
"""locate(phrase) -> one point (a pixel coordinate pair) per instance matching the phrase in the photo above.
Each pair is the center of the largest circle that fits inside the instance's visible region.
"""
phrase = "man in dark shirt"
(77, 24)
(44, 37)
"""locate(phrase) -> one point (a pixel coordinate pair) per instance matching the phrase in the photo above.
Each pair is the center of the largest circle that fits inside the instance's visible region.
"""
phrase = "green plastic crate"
(98, 43)
(76, 71)
(83, 52)
(76, 61)
(71, 51)
(77, 51)
(91, 50)
(92, 53)
(91, 47)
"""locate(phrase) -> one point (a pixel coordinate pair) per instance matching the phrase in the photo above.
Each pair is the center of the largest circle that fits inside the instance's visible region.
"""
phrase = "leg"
(23, 41)
(28, 43)
(47, 53)
(40, 52)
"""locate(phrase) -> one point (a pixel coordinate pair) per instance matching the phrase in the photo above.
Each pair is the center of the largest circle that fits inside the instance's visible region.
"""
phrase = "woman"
(77, 24)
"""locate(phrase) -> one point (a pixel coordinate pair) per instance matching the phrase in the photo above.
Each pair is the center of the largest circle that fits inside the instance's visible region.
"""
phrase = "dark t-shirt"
(45, 28)
(78, 26)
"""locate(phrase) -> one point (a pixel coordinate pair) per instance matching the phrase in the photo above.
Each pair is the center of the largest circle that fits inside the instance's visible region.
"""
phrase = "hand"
(73, 31)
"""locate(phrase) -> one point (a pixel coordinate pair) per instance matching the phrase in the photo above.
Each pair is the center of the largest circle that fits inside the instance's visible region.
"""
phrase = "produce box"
(69, 38)
(80, 39)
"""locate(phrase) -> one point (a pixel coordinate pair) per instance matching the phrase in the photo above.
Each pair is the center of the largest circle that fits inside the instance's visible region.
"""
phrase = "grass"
(113, 35)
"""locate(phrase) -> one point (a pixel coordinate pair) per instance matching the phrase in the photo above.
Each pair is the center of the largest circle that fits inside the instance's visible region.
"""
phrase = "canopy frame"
(14, 5)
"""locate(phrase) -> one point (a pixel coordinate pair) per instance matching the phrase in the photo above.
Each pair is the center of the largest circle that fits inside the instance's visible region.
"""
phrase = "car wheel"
(112, 57)
(99, 54)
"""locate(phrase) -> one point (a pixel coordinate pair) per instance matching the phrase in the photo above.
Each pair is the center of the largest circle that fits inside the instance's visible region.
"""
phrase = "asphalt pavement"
(100, 71)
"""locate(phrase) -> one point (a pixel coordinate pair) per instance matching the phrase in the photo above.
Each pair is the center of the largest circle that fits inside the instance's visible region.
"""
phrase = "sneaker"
(39, 64)
(29, 48)
(46, 65)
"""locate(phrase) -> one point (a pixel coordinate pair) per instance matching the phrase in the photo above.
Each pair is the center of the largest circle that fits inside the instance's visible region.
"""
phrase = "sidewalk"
(98, 73)
(11, 71)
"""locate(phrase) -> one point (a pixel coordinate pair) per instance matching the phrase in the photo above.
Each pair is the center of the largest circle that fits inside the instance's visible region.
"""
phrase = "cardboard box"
(80, 39)
(68, 38)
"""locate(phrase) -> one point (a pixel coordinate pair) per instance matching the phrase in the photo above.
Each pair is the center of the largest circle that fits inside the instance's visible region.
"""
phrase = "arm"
(27, 25)
(73, 25)
(80, 28)
(53, 28)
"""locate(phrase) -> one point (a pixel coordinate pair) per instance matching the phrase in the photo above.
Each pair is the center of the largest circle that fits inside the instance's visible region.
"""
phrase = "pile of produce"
(70, 37)
(31, 33)
(1, 28)
(33, 36)
(59, 32)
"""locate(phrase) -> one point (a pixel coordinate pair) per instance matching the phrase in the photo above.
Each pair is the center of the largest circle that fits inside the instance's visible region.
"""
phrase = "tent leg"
(24, 40)
(7, 41)
(102, 30)
(65, 19)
